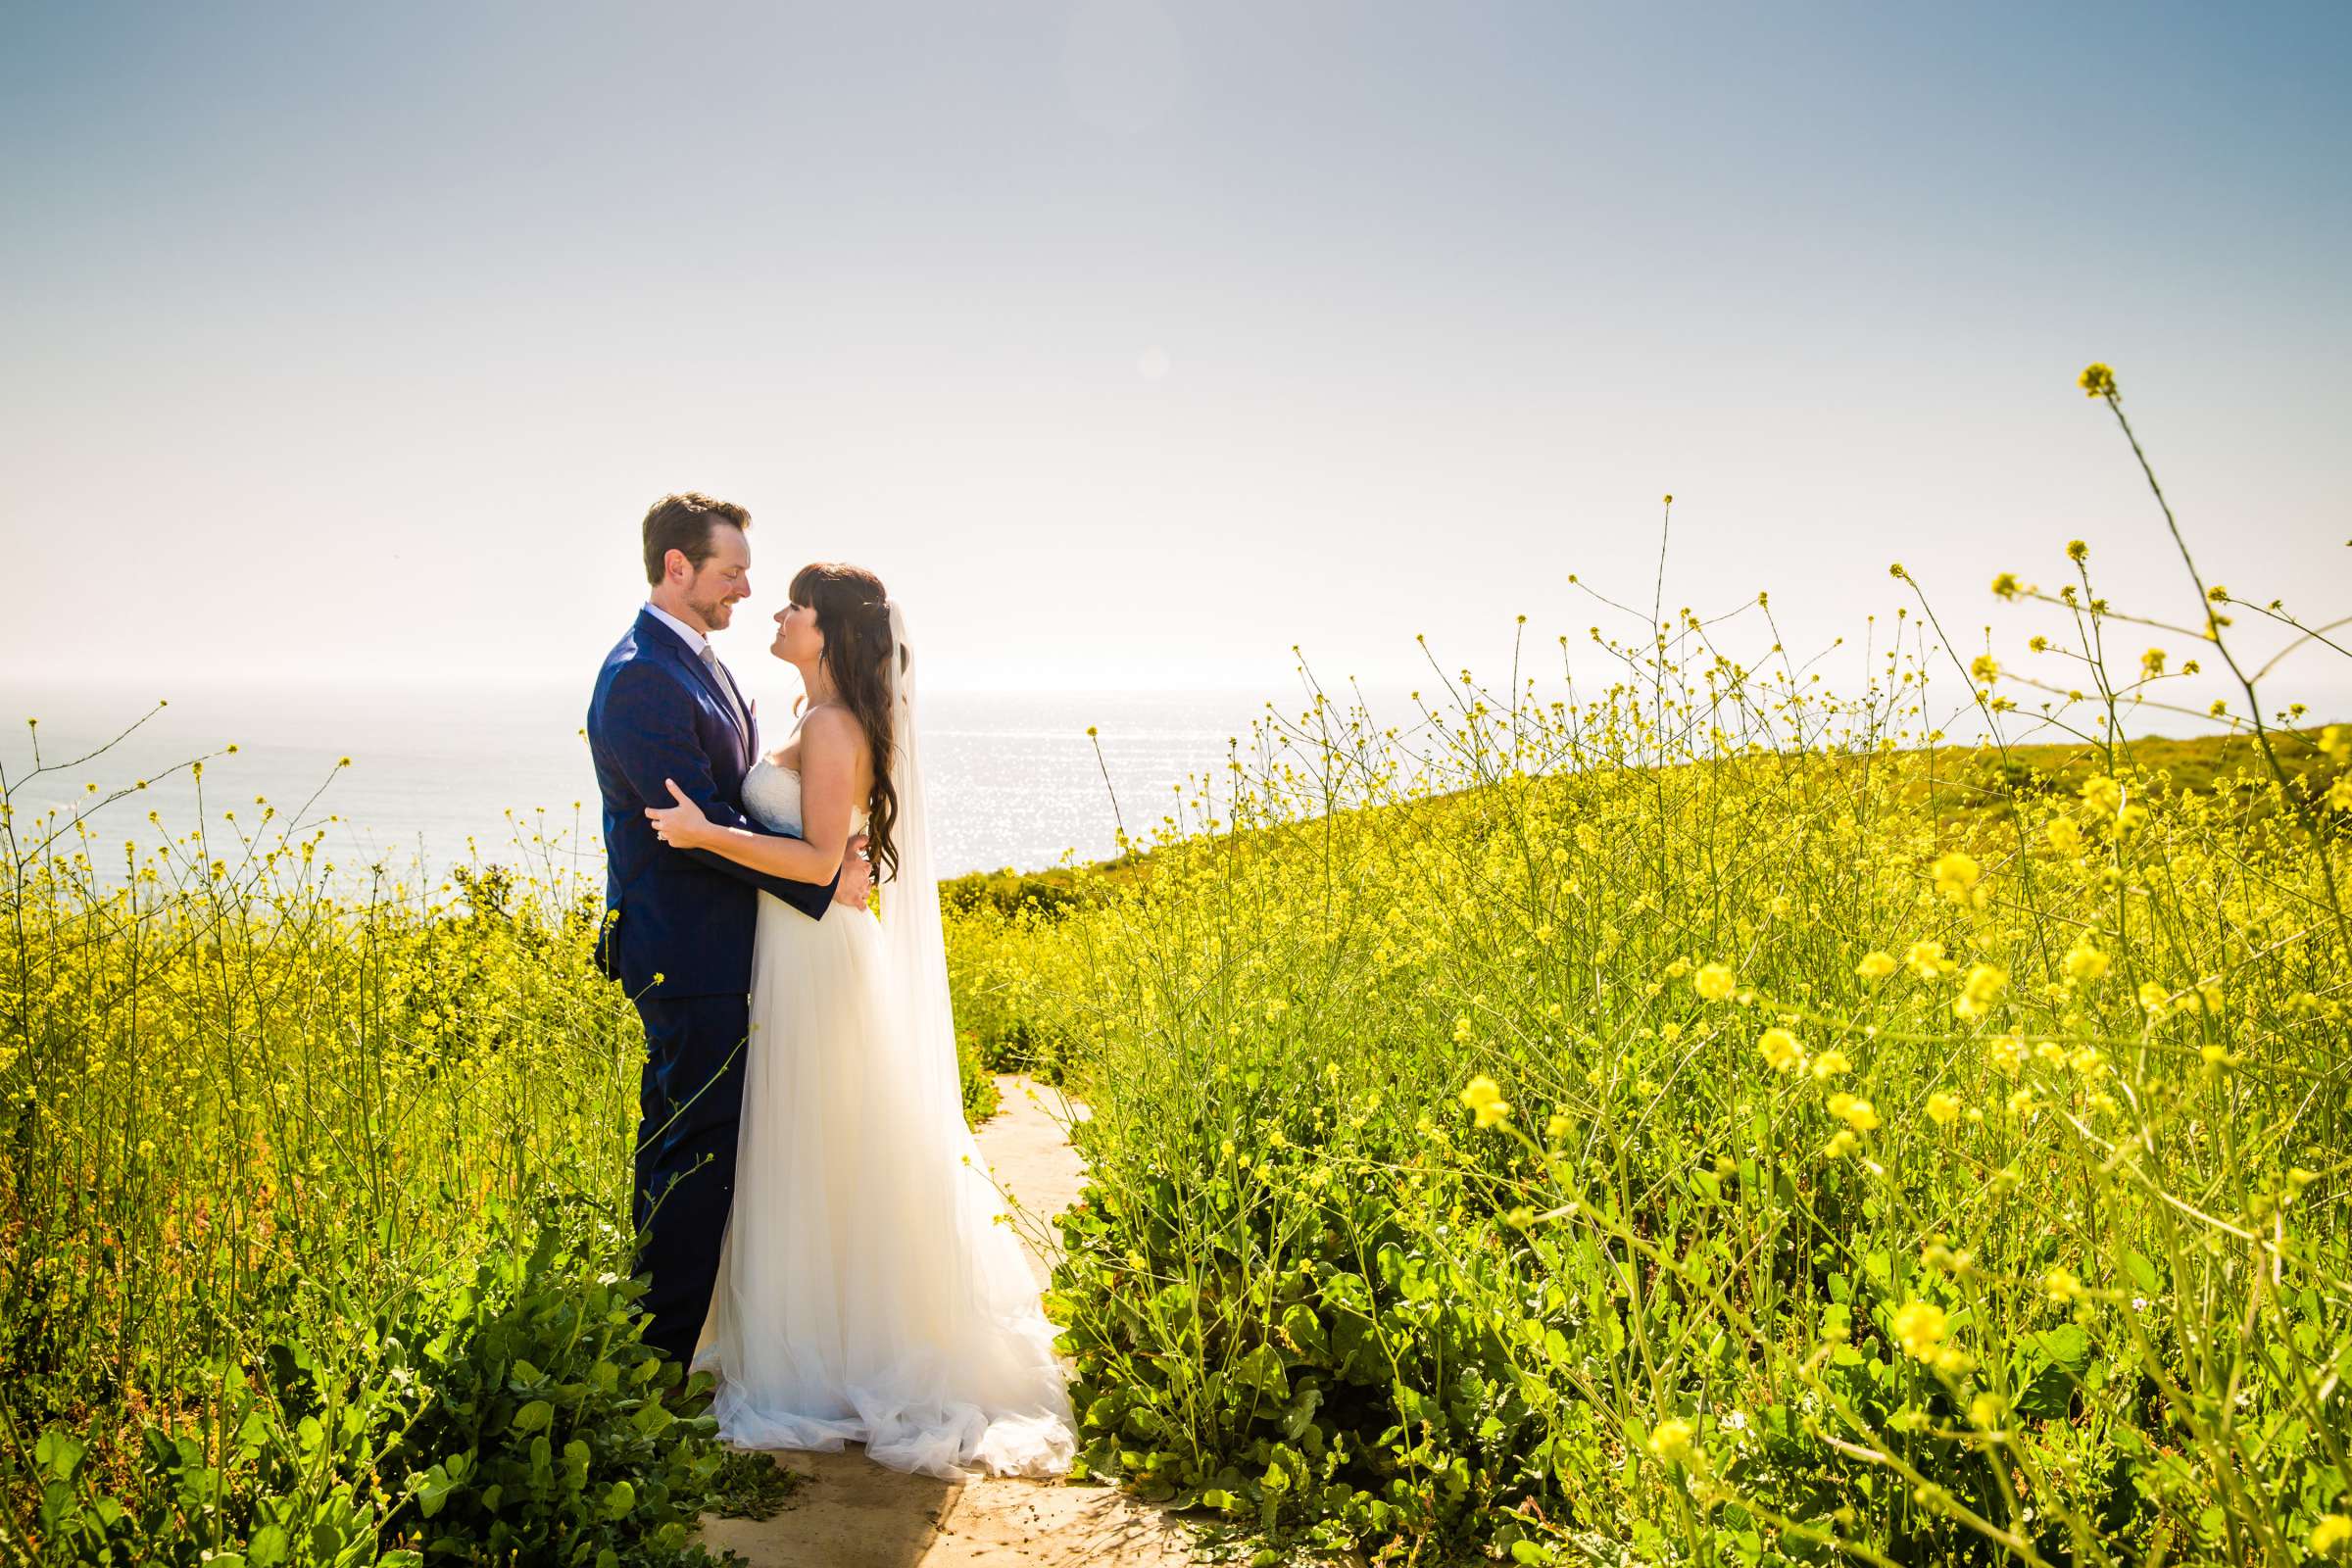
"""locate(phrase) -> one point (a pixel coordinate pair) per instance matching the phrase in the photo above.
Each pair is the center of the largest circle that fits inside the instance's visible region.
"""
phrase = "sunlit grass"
(1703, 1119)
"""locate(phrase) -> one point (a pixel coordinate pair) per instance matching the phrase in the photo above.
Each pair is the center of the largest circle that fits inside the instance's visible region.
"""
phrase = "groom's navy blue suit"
(683, 918)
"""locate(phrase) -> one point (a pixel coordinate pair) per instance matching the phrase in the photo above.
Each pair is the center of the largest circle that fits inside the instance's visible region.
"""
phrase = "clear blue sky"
(1134, 344)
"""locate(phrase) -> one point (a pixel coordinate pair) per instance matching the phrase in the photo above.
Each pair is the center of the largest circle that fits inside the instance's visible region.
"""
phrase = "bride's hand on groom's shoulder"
(682, 825)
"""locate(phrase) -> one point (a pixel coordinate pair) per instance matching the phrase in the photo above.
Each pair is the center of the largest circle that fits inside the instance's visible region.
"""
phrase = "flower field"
(314, 1218)
(1682, 1118)
(1700, 1121)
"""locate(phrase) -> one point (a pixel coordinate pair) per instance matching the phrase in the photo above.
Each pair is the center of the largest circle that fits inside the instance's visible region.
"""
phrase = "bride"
(869, 1289)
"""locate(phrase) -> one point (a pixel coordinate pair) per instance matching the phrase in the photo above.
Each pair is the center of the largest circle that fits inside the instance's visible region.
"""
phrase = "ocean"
(441, 774)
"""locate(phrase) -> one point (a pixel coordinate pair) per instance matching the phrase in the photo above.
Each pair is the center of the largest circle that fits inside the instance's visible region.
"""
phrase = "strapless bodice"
(771, 798)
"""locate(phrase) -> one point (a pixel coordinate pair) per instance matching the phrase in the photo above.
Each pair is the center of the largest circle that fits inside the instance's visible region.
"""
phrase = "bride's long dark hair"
(853, 614)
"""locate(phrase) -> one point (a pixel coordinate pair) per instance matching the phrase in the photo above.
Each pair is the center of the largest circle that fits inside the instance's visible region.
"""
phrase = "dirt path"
(853, 1513)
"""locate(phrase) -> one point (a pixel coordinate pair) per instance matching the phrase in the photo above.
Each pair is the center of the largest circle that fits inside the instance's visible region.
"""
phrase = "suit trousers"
(690, 1102)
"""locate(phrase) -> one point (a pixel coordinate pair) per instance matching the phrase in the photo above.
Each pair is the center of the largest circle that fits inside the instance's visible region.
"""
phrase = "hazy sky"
(1133, 344)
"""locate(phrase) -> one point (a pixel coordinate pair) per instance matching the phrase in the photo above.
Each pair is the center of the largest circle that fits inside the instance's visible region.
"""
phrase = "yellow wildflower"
(1854, 1112)
(1978, 991)
(2008, 1053)
(1779, 1047)
(1713, 982)
(2151, 663)
(2062, 1285)
(1919, 1329)
(1956, 876)
(1483, 1096)
(2096, 380)
(1670, 1440)
(1984, 1412)
(1875, 965)
(2084, 962)
(2329, 1533)
(1985, 669)
(1927, 961)
(2102, 794)
(2065, 837)
(1944, 1109)
(1831, 1062)
(2006, 585)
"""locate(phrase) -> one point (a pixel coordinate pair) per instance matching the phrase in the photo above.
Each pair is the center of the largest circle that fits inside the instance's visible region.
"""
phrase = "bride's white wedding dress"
(868, 1291)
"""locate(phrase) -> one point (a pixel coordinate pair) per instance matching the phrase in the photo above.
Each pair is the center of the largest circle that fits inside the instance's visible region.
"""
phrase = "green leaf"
(59, 1453)
(268, 1547)
(1261, 1369)
(620, 1501)
(534, 1416)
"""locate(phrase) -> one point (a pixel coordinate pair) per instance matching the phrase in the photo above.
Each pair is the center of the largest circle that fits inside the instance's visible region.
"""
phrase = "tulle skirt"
(868, 1291)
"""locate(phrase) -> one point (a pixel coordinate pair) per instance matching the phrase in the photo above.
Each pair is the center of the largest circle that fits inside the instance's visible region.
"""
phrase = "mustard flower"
(1714, 981)
(1978, 991)
(1483, 1096)
(1671, 1440)
(1876, 965)
(2096, 380)
(1779, 1048)
(1943, 1109)
(1854, 1112)
(1927, 961)
(2084, 962)
(1829, 1063)
(1956, 876)
(2331, 1532)
(2008, 1053)
(1919, 1328)
(2006, 585)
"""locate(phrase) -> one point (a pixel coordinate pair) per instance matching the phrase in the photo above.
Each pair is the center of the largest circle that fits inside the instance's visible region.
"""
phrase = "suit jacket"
(659, 712)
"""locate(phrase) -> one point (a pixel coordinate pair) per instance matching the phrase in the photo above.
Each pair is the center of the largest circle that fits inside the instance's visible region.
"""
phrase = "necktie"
(743, 724)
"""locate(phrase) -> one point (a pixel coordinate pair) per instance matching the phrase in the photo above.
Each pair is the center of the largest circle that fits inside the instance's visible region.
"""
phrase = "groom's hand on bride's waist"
(857, 875)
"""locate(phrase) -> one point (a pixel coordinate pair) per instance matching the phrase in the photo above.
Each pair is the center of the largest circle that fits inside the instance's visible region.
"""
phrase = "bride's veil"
(912, 933)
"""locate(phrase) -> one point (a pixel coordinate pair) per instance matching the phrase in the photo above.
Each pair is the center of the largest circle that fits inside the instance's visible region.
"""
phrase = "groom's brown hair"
(683, 522)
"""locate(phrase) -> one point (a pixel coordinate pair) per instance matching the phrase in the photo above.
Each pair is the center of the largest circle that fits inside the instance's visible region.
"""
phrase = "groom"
(680, 922)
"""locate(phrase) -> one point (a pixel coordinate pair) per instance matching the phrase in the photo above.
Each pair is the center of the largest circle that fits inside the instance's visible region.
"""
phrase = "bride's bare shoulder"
(836, 732)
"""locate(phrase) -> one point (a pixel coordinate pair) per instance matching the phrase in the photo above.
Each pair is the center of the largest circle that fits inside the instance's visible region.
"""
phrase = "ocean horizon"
(443, 774)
